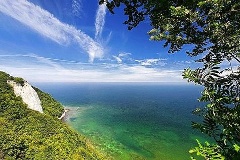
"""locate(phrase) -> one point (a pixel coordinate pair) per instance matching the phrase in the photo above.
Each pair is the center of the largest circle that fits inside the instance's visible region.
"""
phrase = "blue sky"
(79, 41)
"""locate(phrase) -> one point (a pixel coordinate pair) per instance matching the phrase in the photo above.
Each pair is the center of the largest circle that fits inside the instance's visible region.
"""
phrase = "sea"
(133, 121)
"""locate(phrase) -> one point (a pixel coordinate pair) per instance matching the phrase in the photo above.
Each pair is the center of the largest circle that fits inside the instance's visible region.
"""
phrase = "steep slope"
(28, 95)
(49, 104)
(29, 134)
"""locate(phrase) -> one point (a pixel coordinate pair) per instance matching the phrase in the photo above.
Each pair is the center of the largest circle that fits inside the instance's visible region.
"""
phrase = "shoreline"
(64, 114)
(71, 112)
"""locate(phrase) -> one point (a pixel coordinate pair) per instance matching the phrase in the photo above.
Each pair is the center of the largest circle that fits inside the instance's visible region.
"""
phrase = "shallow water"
(133, 121)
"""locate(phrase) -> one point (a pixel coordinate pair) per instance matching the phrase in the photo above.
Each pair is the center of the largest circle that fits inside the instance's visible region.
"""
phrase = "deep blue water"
(133, 120)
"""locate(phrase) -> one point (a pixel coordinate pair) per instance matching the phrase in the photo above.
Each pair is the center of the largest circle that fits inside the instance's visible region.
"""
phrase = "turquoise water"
(133, 121)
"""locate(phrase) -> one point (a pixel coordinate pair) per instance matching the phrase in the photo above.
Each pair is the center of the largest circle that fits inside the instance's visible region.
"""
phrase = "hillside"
(29, 134)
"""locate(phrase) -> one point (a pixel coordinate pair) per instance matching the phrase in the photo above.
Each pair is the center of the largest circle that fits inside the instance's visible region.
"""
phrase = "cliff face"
(26, 134)
(28, 94)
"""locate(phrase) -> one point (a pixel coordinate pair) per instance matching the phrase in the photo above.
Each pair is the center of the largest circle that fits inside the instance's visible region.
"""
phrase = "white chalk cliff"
(28, 94)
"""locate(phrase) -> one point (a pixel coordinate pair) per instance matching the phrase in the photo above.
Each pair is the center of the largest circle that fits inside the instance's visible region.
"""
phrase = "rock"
(28, 94)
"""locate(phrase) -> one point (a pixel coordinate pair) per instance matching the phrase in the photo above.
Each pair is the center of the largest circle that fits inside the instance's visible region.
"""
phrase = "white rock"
(28, 94)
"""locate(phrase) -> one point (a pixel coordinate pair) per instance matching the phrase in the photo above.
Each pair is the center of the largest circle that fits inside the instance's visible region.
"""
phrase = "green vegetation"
(211, 30)
(28, 134)
(50, 105)
(19, 80)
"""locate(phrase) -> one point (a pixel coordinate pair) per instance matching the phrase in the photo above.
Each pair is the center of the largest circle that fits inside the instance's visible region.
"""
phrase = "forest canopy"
(28, 134)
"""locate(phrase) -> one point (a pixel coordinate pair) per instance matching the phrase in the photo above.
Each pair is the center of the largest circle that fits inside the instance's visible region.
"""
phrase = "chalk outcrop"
(28, 94)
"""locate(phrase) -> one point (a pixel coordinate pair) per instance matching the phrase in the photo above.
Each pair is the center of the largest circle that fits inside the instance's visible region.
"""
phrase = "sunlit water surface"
(133, 121)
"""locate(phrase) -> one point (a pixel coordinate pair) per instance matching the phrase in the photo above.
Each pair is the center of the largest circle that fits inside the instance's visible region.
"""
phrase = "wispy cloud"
(47, 25)
(57, 70)
(100, 20)
(151, 62)
(26, 60)
(118, 59)
(76, 7)
(123, 56)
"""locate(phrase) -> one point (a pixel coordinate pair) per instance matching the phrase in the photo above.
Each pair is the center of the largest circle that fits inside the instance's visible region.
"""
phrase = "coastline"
(71, 113)
(64, 114)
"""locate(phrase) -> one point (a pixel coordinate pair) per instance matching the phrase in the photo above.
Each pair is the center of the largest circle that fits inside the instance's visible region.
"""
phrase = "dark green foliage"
(221, 116)
(211, 29)
(19, 80)
(28, 134)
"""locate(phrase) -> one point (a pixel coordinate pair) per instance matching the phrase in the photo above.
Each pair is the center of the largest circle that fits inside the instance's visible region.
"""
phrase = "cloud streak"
(100, 20)
(76, 7)
(123, 56)
(44, 23)
(152, 62)
(57, 70)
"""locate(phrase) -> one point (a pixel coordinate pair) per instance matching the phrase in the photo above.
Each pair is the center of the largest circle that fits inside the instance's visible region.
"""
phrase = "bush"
(28, 134)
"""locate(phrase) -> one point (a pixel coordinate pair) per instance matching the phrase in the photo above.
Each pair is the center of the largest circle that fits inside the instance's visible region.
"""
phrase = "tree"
(27, 134)
(212, 29)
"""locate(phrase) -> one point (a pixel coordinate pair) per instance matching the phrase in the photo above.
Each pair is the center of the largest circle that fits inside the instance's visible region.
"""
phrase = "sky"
(80, 41)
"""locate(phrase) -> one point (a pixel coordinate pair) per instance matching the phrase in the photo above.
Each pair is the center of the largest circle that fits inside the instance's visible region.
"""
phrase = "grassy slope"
(27, 134)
